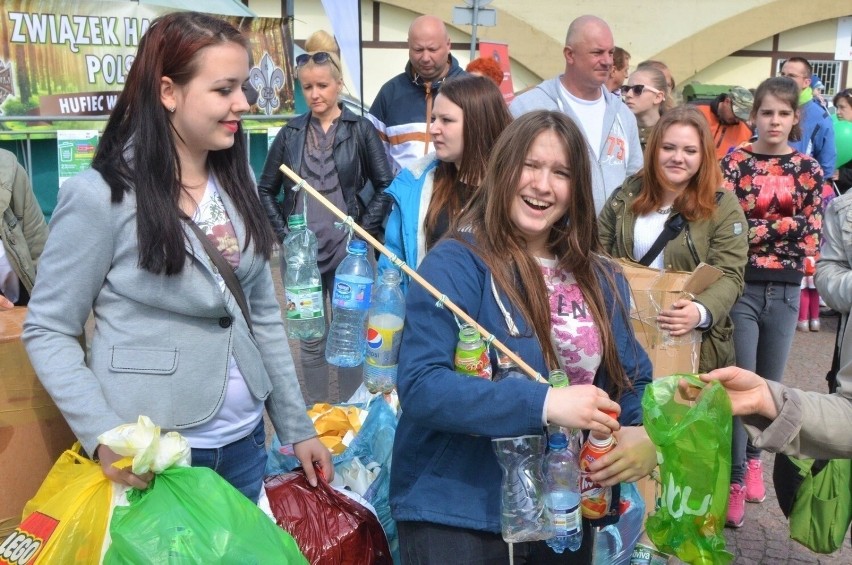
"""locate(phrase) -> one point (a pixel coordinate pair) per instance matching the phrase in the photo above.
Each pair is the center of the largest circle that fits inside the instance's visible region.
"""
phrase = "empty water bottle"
(523, 513)
(562, 477)
(384, 332)
(302, 282)
(350, 303)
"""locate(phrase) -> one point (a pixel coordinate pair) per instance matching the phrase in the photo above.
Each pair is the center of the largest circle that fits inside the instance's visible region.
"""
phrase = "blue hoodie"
(444, 468)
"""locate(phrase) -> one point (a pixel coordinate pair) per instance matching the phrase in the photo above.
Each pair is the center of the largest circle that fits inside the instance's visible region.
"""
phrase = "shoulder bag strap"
(671, 229)
(225, 270)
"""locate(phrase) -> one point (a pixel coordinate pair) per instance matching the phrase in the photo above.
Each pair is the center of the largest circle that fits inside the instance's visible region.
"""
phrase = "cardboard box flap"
(701, 278)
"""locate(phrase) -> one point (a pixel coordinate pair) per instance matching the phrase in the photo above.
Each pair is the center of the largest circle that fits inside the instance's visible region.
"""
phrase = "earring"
(172, 109)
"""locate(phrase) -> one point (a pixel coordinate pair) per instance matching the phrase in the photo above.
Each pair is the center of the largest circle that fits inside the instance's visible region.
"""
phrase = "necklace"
(664, 211)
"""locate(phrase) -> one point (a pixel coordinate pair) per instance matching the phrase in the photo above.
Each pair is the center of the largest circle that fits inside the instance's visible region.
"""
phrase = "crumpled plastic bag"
(330, 528)
(150, 451)
(356, 476)
(336, 425)
(614, 543)
(693, 440)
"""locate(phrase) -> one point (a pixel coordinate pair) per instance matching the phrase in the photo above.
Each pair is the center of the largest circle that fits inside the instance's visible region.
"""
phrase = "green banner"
(66, 59)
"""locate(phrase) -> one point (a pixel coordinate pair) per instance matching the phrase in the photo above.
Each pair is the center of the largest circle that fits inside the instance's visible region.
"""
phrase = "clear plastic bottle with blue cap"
(350, 304)
(562, 480)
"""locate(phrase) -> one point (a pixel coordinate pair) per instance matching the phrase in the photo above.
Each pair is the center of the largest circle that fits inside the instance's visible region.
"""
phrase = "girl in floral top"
(779, 190)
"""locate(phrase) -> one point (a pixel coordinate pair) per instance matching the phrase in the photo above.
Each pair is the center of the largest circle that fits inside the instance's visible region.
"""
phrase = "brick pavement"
(764, 538)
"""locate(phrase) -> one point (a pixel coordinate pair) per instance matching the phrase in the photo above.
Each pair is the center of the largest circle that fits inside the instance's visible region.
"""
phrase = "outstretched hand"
(582, 406)
(310, 451)
(748, 391)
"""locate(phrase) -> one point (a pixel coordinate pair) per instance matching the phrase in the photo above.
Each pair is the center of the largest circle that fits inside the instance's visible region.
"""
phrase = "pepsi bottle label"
(384, 335)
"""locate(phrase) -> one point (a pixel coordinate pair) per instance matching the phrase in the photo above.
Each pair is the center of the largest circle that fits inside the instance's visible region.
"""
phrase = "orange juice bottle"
(594, 498)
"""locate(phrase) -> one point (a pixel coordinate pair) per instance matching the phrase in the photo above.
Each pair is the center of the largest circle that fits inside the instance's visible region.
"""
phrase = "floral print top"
(572, 328)
(780, 237)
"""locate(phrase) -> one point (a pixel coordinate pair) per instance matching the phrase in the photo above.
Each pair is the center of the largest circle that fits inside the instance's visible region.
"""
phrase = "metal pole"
(473, 24)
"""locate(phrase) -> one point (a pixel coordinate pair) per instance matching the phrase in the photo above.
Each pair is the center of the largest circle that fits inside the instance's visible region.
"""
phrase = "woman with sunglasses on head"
(340, 154)
(467, 118)
(681, 182)
(524, 261)
(139, 239)
(645, 95)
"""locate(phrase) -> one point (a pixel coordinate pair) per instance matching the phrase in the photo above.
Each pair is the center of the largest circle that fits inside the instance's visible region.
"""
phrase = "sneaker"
(802, 326)
(755, 491)
(736, 507)
(814, 325)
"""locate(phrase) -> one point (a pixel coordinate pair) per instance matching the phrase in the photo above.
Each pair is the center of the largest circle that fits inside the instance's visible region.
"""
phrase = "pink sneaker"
(736, 507)
(755, 491)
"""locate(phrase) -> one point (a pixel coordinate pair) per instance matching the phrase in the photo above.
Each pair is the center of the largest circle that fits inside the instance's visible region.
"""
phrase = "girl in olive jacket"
(681, 176)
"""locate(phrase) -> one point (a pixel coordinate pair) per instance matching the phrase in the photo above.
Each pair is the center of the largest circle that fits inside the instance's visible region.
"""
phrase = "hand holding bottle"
(582, 406)
(632, 458)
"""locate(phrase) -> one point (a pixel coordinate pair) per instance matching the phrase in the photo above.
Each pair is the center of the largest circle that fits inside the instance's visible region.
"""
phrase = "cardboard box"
(655, 290)
(33, 433)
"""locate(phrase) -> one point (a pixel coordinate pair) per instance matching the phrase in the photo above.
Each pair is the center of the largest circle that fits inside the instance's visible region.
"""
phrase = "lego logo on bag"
(23, 545)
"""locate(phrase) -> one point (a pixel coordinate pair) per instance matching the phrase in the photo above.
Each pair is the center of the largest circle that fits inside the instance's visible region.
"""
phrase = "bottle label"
(594, 498)
(566, 521)
(383, 342)
(352, 292)
(473, 362)
(304, 302)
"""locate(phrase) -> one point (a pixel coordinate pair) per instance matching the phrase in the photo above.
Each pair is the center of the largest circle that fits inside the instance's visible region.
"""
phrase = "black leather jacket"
(362, 167)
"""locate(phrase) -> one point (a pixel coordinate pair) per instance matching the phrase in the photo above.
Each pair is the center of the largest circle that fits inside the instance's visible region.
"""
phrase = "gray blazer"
(161, 344)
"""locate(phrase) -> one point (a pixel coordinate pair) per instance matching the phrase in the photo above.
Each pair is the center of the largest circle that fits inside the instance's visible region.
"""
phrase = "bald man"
(580, 93)
(402, 110)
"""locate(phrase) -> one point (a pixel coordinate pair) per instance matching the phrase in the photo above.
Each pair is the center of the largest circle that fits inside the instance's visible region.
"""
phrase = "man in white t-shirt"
(609, 126)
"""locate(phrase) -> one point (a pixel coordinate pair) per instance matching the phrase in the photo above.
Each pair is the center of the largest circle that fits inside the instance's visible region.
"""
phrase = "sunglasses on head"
(319, 58)
(637, 89)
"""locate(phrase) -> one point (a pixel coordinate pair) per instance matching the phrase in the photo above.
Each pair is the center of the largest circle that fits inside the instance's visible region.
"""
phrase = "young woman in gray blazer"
(170, 340)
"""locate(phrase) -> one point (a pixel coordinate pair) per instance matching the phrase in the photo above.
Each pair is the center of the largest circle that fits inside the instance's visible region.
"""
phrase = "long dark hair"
(698, 200)
(485, 116)
(573, 237)
(137, 152)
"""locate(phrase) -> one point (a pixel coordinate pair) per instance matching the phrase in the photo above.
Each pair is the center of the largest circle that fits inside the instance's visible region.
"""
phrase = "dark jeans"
(312, 364)
(764, 326)
(425, 543)
(241, 463)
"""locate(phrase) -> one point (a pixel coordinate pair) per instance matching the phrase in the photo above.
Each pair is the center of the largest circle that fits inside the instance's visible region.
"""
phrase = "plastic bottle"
(384, 332)
(471, 354)
(559, 379)
(302, 283)
(562, 476)
(523, 509)
(350, 304)
(595, 499)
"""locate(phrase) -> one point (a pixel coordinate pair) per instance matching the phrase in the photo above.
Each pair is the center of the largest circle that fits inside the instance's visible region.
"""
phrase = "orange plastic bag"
(67, 519)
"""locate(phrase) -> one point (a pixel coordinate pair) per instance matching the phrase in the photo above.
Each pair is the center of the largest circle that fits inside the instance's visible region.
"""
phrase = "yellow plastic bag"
(67, 519)
(335, 425)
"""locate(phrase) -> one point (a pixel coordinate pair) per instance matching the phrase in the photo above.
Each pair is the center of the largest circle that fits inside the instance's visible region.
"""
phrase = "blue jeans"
(764, 325)
(425, 543)
(241, 463)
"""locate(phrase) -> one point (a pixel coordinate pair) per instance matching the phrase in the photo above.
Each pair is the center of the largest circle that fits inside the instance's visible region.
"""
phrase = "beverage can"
(595, 498)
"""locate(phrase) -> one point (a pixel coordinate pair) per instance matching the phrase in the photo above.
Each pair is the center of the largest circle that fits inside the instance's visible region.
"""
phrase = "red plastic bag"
(329, 527)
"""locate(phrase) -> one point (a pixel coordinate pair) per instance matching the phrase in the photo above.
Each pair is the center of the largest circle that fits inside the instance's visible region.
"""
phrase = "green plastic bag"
(817, 498)
(192, 515)
(693, 440)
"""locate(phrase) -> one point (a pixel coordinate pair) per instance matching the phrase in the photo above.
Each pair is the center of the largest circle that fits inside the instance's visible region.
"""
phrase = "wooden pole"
(443, 300)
